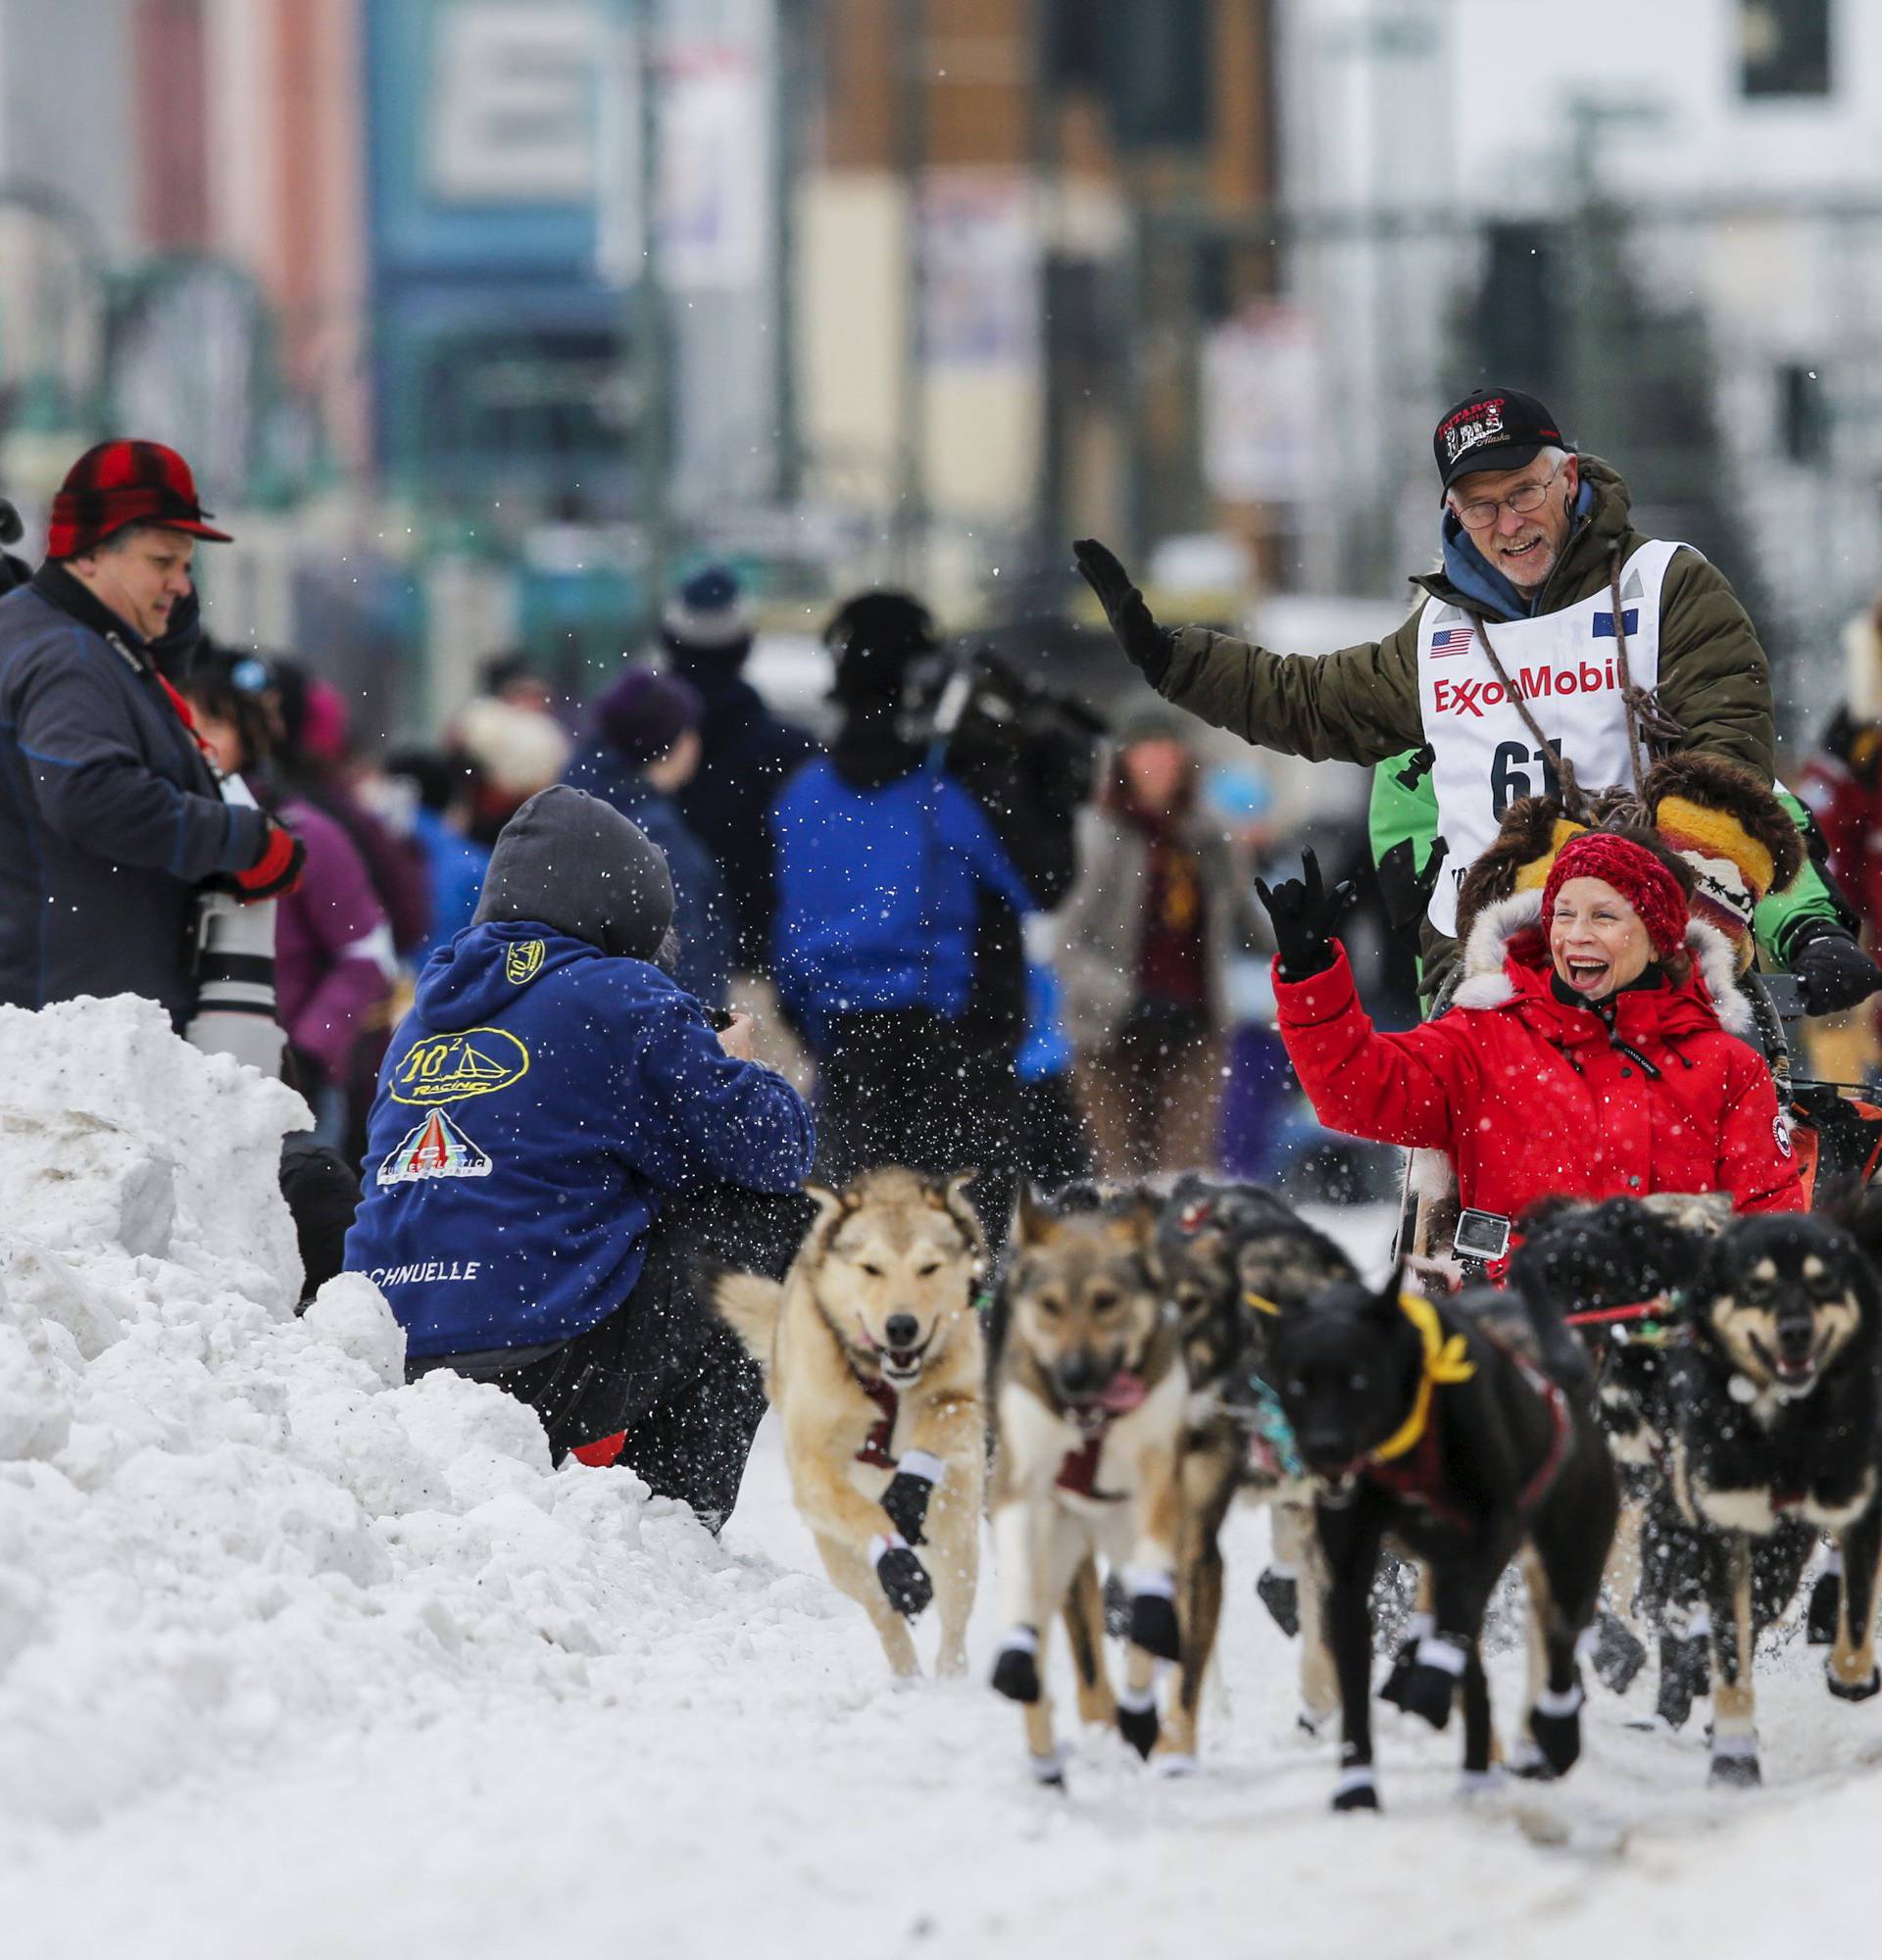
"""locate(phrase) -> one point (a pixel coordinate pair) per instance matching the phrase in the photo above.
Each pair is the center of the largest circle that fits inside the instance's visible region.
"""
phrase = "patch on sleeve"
(1781, 1133)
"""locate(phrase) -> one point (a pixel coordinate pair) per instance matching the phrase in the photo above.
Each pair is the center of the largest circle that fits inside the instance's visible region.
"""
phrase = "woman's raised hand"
(1305, 912)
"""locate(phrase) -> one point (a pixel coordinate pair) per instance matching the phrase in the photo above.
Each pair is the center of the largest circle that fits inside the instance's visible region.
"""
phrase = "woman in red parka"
(1588, 1053)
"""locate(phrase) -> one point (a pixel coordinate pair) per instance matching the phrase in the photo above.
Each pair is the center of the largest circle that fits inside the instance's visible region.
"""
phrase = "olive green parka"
(1361, 704)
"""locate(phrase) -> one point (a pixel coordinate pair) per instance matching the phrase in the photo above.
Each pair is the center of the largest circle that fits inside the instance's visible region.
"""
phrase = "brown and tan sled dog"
(874, 1360)
(1089, 1399)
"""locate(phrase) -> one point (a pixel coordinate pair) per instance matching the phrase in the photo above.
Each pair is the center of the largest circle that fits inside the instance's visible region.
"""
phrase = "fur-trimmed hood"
(1507, 932)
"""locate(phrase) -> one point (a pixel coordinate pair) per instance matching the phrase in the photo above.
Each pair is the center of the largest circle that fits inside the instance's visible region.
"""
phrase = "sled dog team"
(1658, 1419)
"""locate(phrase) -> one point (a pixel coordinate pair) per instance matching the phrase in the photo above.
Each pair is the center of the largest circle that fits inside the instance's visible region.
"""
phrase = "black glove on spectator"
(1304, 913)
(1145, 643)
(276, 872)
(1832, 969)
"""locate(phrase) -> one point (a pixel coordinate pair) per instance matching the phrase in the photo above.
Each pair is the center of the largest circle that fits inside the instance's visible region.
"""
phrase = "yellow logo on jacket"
(449, 1068)
(524, 961)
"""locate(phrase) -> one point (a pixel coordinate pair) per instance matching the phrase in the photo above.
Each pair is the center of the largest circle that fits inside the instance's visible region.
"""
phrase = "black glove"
(1405, 890)
(1305, 913)
(1832, 969)
(905, 1579)
(907, 1497)
(1146, 644)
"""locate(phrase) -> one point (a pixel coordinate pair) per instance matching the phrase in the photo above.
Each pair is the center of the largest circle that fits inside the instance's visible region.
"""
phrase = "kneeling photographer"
(906, 861)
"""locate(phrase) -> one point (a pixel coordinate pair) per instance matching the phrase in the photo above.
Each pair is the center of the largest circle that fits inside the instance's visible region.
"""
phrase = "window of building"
(1151, 63)
(1785, 47)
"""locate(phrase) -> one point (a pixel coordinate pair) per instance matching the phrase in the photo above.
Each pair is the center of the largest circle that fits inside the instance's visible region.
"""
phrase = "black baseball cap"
(1494, 428)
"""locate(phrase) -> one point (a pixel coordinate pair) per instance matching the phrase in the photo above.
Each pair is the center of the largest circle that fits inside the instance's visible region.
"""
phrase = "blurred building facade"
(1668, 222)
(491, 314)
(981, 354)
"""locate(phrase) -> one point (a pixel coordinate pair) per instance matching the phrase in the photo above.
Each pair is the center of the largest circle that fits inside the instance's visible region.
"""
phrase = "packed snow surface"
(295, 1659)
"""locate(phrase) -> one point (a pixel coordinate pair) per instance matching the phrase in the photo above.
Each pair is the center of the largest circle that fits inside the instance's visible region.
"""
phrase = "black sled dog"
(1466, 1434)
(1776, 1408)
(1613, 1273)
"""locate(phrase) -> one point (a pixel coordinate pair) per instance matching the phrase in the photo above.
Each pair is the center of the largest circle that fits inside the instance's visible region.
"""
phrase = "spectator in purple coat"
(333, 960)
(309, 743)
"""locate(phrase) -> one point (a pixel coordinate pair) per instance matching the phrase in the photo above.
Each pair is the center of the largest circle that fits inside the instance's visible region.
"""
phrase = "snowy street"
(740, 1770)
(301, 1660)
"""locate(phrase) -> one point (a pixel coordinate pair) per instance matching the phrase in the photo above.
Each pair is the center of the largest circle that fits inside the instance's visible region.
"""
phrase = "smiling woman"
(1613, 906)
(1587, 1053)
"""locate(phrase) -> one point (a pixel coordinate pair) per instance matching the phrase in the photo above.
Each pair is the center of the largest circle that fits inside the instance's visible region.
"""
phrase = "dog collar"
(1445, 1363)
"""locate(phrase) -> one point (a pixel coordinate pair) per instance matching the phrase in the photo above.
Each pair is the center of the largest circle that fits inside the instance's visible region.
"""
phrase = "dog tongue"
(1125, 1392)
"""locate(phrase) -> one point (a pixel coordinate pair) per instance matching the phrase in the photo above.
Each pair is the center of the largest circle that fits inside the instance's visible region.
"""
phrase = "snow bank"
(224, 1531)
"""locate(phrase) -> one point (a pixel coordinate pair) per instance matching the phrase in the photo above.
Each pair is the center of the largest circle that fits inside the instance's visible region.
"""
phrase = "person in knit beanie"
(1635, 870)
(747, 753)
(1594, 1048)
(639, 752)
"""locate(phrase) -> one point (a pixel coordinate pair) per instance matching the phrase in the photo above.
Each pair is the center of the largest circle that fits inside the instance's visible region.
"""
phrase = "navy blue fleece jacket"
(537, 1106)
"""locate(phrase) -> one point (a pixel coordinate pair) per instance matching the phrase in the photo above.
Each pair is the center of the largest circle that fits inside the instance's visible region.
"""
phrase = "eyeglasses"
(1481, 514)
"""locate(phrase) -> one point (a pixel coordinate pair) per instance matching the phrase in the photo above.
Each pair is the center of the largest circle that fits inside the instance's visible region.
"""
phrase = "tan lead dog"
(874, 1360)
(1089, 1405)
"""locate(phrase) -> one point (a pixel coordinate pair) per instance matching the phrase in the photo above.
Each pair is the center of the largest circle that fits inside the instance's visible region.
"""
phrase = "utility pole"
(650, 328)
(909, 520)
(793, 23)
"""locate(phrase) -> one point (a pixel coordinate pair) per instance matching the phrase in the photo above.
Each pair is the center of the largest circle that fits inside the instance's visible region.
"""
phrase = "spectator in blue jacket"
(642, 750)
(112, 821)
(882, 857)
(454, 864)
(560, 1138)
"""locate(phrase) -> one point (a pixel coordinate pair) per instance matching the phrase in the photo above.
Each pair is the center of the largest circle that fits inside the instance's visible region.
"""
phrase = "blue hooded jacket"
(879, 893)
(537, 1105)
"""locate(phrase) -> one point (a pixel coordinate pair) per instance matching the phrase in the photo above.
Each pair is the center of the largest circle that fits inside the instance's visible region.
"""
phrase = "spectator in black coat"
(110, 818)
(746, 752)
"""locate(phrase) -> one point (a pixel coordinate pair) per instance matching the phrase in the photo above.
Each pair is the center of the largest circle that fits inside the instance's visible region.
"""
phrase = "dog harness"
(876, 1445)
(1078, 1470)
(1410, 1461)
(1078, 1473)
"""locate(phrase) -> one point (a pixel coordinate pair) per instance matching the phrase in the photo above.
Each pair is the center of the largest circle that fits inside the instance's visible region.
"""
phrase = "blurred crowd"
(982, 928)
(984, 932)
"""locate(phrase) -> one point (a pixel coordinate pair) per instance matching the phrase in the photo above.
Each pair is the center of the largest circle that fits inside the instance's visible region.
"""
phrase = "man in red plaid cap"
(111, 817)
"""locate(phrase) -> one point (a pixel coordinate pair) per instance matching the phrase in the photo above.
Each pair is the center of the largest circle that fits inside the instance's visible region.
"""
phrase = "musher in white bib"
(1554, 635)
